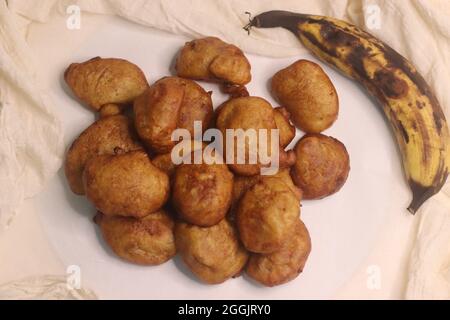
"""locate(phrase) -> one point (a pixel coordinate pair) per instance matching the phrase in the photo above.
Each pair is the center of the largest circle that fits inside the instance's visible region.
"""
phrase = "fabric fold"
(31, 144)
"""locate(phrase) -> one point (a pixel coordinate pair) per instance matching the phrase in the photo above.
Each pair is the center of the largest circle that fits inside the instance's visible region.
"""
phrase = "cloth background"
(31, 146)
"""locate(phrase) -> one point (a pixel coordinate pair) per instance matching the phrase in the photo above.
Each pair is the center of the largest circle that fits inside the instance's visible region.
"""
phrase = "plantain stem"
(276, 18)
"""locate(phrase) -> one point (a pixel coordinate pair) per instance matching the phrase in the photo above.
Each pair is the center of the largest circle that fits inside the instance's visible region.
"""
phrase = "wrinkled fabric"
(46, 287)
(31, 144)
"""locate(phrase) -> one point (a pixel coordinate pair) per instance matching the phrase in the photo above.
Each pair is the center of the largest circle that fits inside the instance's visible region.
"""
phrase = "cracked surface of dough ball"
(212, 59)
(248, 113)
(101, 81)
(306, 91)
(100, 138)
(322, 165)
(266, 215)
(168, 104)
(201, 193)
(285, 264)
(214, 254)
(147, 241)
(125, 184)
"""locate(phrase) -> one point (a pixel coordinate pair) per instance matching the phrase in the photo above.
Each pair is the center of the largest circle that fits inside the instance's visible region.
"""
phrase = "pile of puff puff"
(221, 218)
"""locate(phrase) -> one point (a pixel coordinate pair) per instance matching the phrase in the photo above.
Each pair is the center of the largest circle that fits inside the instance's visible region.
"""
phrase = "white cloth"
(429, 274)
(419, 29)
(47, 287)
(31, 144)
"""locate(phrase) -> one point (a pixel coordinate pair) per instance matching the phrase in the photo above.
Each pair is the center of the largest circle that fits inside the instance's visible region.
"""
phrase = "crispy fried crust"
(187, 150)
(169, 104)
(100, 138)
(212, 59)
(266, 215)
(285, 264)
(126, 184)
(100, 81)
(246, 113)
(234, 90)
(110, 109)
(308, 94)
(202, 193)
(243, 183)
(164, 163)
(146, 241)
(213, 254)
(287, 130)
(322, 165)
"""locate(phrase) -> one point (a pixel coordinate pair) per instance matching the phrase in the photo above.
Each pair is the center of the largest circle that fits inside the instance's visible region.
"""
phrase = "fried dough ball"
(266, 215)
(235, 90)
(110, 109)
(102, 137)
(169, 104)
(285, 264)
(284, 174)
(243, 183)
(164, 163)
(212, 59)
(214, 254)
(240, 186)
(322, 165)
(126, 184)
(249, 113)
(308, 94)
(287, 130)
(202, 192)
(184, 148)
(146, 241)
(100, 81)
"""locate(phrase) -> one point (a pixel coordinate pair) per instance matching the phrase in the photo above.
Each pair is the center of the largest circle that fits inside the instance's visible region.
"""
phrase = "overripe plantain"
(408, 102)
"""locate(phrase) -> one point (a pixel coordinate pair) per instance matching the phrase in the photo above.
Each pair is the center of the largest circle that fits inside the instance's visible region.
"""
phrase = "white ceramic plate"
(343, 227)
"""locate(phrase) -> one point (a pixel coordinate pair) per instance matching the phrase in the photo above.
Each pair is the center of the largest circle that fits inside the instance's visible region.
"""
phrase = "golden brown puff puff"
(165, 163)
(266, 215)
(111, 109)
(212, 59)
(100, 81)
(285, 264)
(247, 113)
(168, 104)
(322, 165)
(214, 254)
(147, 241)
(126, 184)
(287, 130)
(308, 94)
(243, 183)
(102, 137)
(201, 193)
(284, 174)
